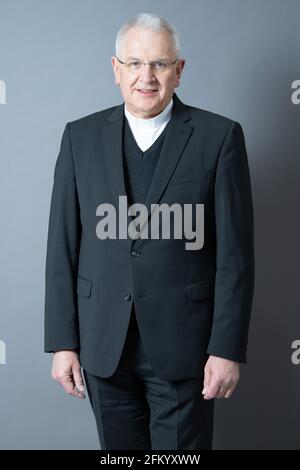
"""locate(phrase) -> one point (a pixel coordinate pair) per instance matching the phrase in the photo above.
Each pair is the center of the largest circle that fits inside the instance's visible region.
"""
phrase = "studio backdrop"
(242, 61)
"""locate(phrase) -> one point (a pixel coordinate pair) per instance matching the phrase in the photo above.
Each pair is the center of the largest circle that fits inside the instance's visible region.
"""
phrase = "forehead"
(146, 43)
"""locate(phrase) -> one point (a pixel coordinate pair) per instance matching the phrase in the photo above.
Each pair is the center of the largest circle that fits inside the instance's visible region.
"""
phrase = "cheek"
(169, 81)
(126, 81)
(130, 84)
(126, 87)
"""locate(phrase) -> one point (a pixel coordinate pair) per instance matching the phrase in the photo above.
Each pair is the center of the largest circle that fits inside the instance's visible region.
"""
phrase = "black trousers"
(135, 410)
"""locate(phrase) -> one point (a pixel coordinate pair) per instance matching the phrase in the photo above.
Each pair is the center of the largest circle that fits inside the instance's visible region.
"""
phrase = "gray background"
(242, 57)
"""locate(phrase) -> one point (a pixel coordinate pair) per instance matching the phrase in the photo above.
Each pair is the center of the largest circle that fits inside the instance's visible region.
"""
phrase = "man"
(158, 329)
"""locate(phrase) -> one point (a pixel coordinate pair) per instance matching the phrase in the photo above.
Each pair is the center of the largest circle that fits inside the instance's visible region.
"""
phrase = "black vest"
(139, 166)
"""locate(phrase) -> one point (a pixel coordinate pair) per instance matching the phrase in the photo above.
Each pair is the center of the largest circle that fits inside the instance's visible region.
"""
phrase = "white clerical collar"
(152, 123)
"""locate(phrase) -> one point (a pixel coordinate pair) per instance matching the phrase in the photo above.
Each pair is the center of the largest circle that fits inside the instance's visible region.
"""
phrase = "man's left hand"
(220, 377)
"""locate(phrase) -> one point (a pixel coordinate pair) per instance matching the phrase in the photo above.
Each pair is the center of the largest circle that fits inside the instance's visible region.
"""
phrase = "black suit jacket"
(189, 303)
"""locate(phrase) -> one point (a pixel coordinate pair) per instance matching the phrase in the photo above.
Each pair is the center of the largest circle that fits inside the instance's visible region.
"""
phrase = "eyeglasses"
(134, 66)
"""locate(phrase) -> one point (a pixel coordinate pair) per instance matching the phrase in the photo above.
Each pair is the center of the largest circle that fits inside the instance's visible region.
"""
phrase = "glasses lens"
(135, 66)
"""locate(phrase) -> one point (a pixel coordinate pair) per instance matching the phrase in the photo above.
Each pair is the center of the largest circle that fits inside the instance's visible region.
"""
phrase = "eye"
(161, 65)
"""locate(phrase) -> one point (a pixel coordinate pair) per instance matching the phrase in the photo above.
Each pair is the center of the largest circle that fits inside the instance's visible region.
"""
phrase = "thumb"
(77, 376)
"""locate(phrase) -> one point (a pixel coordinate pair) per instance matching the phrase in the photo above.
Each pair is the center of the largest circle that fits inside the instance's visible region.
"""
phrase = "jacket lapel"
(176, 138)
(112, 135)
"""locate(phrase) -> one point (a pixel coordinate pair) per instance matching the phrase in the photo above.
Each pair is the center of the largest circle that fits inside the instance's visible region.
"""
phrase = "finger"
(78, 378)
(221, 392)
(67, 382)
(77, 393)
(229, 393)
(228, 388)
(69, 386)
(207, 379)
(212, 390)
(73, 391)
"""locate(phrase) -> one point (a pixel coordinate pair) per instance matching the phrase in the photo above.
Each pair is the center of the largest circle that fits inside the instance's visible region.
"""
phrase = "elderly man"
(159, 330)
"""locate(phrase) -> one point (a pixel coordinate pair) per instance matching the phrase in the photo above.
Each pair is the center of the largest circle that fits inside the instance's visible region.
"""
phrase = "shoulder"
(93, 120)
(211, 121)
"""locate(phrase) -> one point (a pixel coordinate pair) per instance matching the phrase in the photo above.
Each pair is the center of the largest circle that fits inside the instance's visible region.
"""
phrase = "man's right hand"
(66, 370)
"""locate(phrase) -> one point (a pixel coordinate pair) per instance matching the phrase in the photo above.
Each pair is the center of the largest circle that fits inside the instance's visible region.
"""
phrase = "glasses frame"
(151, 64)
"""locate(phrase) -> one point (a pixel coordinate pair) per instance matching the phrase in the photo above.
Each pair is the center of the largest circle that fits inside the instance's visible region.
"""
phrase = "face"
(148, 46)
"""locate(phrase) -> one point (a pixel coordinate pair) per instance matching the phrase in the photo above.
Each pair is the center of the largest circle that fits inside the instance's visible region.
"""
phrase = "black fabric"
(139, 165)
(136, 410)
(189, 303)
(145, 383)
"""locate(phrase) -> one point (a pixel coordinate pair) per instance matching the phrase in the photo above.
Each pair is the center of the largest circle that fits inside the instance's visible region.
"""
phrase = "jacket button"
(127, 297)
(135, 253)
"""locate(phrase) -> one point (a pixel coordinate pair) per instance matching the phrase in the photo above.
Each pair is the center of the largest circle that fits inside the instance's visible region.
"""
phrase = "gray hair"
(151, 21)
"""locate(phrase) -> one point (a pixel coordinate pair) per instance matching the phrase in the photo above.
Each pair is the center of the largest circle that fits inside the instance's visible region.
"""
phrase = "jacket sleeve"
(234, 284)
(64, 232)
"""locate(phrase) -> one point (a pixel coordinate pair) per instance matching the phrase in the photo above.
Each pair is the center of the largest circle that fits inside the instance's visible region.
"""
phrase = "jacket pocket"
(202, 290)
(84, 287)
(189, 179)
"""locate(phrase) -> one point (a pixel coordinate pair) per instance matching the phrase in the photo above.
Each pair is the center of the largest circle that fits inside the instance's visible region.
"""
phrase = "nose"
(147, 73)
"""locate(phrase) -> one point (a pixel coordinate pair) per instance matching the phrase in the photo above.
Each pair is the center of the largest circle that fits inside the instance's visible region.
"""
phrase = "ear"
(179, 68)
(115, 65)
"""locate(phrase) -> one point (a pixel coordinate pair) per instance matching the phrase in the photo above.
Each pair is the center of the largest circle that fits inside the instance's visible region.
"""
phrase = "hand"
(66, 370)
(220, 377)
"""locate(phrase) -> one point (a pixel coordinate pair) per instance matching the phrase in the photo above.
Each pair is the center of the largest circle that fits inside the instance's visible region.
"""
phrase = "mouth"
(147, 92)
